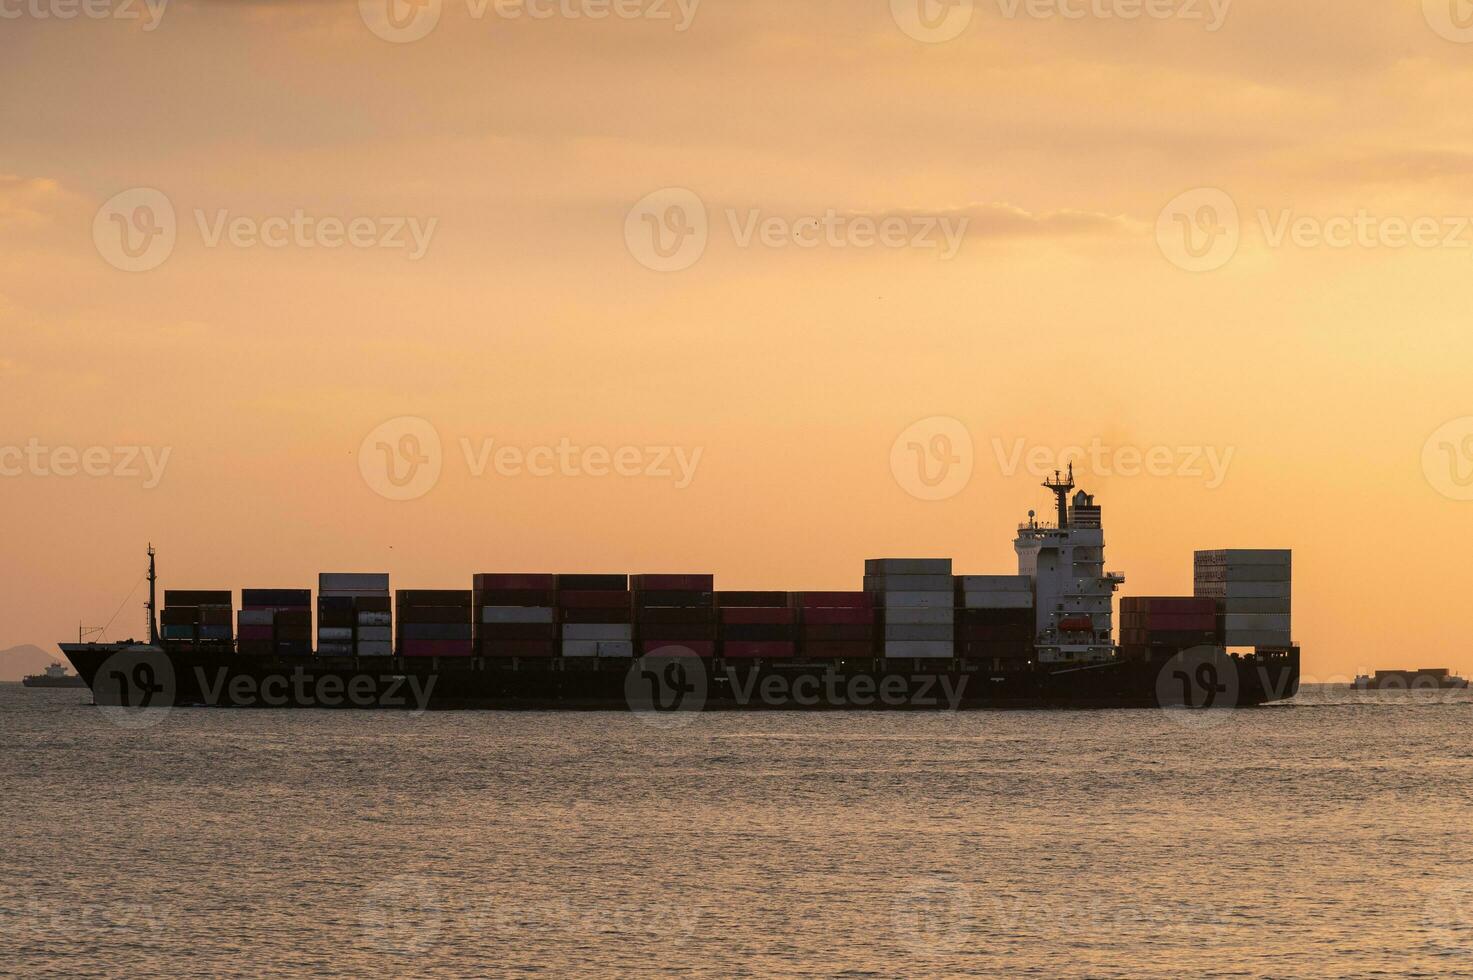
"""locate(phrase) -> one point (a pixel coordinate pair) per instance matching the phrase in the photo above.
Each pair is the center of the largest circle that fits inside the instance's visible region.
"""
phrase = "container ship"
(1425, 679)
(915, 636)
(56, 675)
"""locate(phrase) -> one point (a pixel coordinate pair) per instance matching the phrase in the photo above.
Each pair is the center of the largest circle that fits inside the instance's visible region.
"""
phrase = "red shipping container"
(498, 582)
(255, 632)
(837, 617)
(749, 614)
(838, 631)
(838, 649)
(676, 648)
(436, 648)
(514, 597)
(757, 648)
(835, 600)
(673, 583)
(595, 600)
(752, 599)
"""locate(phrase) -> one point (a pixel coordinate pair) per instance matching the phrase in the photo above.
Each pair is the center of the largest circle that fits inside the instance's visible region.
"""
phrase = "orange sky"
(521, 145)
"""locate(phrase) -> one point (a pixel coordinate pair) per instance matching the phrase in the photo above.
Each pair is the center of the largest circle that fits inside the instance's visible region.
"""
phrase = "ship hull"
(138, 676)
(41, 681)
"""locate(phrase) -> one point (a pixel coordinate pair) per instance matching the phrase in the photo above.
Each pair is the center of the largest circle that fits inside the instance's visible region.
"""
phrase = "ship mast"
(1061, 487)
(153, 628)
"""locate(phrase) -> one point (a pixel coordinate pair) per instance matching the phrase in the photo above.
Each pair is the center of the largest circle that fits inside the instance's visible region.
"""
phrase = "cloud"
(1009, 221)
(28, 202)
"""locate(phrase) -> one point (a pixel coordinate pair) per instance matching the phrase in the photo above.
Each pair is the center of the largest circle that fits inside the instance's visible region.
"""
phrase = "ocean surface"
(1325, 837)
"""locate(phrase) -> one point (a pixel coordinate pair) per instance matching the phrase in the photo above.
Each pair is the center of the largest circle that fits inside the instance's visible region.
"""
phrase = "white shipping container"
(374, 634)
(352, 580)
(1246, 556)
(907, 566)
(920, 615)
(909, 583)
(375, 619)
(615, 648)
(517, 614)
(997, 600)
(598, 631)
(257, 617)
(335, 633)
(995, 583)
(927, 600)
(334, 649)
(918, 631)
(580, 648)
(1244, 590)
(928, 649)
(598, 648)
(375, 649)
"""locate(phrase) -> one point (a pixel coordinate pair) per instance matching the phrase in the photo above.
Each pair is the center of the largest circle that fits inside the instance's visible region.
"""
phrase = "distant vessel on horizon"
(54, 676)
(1423, 679)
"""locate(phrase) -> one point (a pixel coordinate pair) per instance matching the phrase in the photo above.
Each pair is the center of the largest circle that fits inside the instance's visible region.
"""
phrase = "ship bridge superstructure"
(1074, 595)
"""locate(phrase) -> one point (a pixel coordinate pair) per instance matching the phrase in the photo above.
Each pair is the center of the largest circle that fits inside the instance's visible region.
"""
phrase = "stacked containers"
(995, 618)
(675, 611)
(836, 625)
(275, 622)
(595, 615)
(433, 623)
(1254, 591)
(515, 615)
(198, 618)
(917, 599)
(354, 616)
(1167, 623)
(756, 624)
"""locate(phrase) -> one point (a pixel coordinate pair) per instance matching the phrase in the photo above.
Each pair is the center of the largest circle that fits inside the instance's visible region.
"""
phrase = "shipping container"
(909, 583)
(499, 582)
(673, 583)
(746, 649)
(592, 583)
(907, 566)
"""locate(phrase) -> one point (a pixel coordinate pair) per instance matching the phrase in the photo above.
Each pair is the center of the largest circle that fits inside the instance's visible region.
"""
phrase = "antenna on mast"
(153, 628)
(1061, 487)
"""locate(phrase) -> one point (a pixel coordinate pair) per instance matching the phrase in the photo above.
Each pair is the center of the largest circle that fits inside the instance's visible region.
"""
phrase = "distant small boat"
(1426, 679)
(55, 676)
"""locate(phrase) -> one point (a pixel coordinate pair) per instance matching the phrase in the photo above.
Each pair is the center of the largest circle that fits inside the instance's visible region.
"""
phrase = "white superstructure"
(1074, 595)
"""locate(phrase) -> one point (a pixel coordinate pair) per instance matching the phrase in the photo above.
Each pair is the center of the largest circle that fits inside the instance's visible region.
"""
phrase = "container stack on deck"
(1166, 624)
(757, 624)
(515, 616)
(1254, 593)
(198, 618)
(596, 615)
(995, 619)
(836, 625)
(433, 623)
(275, 622)
(675, 611)
(354, 615)
(917, 598)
